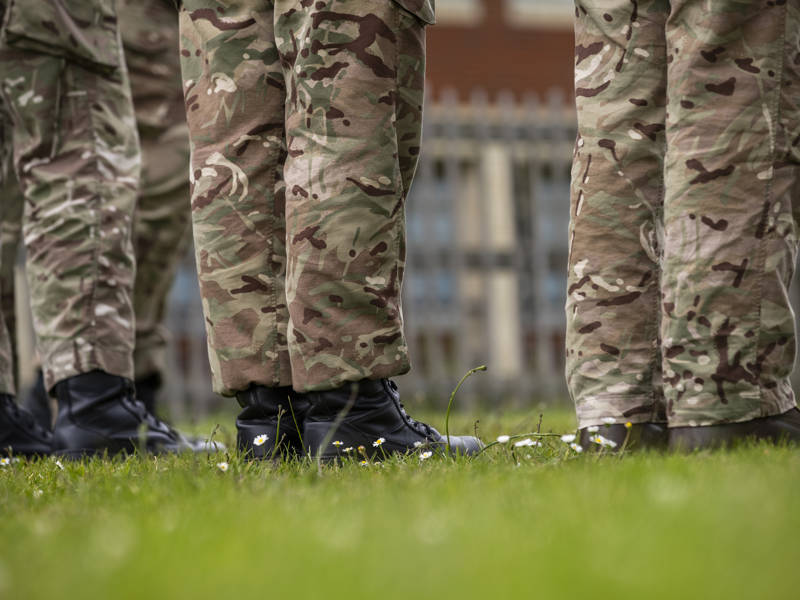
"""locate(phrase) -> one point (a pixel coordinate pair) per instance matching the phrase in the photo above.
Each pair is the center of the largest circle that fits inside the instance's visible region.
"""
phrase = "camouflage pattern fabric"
(162, 230)
(76, 154)
(684, 226)
(305, 122)
(149, 30)
(11, 205)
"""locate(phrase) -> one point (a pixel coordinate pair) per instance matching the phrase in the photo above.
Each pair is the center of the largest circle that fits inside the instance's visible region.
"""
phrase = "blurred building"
(521, 46)
(488, 213)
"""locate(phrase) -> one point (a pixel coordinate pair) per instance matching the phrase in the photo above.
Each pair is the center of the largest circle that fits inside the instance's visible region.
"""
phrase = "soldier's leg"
(35, 401)
(11, 203)
(613, 359)
(19, 432)
(162, 235)
(234, 92)
(77, 157)
(354, 75)
(730, 211)
(162, 221)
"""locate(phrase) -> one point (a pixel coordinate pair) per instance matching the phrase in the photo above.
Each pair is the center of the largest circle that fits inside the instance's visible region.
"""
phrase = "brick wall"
(496, 54)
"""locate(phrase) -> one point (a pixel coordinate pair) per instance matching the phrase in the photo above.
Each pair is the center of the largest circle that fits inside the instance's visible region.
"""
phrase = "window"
(459, 12)
(540, 12)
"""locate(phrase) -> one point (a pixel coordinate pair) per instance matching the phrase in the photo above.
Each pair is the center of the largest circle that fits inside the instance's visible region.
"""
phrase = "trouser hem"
(113, 363)
(331, 383)
(7, 386)
(622, 409)
(773, 402)
(252, 372)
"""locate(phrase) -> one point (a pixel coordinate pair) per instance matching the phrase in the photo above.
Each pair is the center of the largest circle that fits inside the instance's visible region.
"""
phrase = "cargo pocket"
(422, 9)
(83, 31)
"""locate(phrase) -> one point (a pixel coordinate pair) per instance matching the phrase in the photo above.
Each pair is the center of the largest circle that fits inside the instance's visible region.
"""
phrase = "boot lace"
(419, 426)
(145, 416)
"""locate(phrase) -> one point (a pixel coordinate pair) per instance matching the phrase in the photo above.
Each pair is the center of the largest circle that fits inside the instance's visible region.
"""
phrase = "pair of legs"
(305, 122)
(684, 234)
(161, 230)
(71, 129)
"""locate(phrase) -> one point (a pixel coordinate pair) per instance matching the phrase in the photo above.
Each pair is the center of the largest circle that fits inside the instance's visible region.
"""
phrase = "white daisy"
(526, 442)
(568, 438)
(425, 455)
(59, 465)
(260, 440)
(364, 463)
(593, 429)
(4, 462)
(37, 493)
(337, 443)
(604, 442)
(349, 449)
(417, 444)
(379, 442)
(577, 447)
(502, 439)
(609, 420)
(222, 466)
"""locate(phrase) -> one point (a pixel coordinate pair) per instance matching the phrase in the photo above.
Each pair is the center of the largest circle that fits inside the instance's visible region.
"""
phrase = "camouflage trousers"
(686, 187)
(305, 123)
(71, 131)
(161, 232)
(161, 228)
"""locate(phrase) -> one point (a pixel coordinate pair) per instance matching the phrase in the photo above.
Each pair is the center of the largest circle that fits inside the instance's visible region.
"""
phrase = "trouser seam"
(401, 198)
(762, 246)
(273, 293)
(95, 204)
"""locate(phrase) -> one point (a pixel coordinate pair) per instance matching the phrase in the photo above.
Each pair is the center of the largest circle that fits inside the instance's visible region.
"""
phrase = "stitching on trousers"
(762, 247)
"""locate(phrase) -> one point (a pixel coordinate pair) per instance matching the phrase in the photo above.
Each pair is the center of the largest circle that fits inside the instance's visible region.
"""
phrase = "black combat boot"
(779, 428)
(99, 412)
(38, 402)
(271, 423)
(377, 422)
(20, 435)
(643, 436)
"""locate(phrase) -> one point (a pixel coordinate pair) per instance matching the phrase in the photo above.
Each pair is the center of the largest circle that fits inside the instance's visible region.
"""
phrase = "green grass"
(534, 524)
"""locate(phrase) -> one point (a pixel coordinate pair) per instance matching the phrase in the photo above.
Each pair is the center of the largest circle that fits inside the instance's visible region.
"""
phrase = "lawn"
(536, 522)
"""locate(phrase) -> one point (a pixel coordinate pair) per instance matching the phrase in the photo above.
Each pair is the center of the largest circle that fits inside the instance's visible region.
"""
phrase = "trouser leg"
(354, 77)
(77, 157)
(613, 356)
(731, 174)
(10, 231)
(162, 223)
(234, 89)
(162, 235)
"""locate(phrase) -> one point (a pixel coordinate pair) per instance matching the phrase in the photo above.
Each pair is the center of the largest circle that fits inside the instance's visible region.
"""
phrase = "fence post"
(503, 310)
